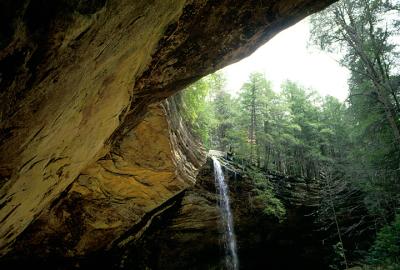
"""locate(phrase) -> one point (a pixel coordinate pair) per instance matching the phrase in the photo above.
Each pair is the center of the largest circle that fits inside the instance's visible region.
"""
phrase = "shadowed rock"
(77, 77)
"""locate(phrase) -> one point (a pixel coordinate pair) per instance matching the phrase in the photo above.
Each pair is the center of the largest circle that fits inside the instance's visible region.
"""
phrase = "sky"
(286, 56)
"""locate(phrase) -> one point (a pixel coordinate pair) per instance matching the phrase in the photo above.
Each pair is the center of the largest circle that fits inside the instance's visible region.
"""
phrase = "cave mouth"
(304, 106)
(99, 169)
(269, 91)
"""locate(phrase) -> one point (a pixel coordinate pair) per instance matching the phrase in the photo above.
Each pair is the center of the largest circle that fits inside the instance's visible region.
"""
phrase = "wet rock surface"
(189, 235)
(185, 231)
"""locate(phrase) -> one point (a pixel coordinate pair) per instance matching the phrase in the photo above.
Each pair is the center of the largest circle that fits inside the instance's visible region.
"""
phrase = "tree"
(386, 250)
(208, 108)
(221, 106)
(196, 109)
(363, 31)
(253, 100)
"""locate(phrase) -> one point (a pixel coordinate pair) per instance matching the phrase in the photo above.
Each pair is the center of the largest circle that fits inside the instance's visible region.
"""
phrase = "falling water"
(224, 206)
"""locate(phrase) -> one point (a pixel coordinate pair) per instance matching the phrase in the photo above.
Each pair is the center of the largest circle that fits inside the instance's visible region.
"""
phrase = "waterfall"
(226, 214)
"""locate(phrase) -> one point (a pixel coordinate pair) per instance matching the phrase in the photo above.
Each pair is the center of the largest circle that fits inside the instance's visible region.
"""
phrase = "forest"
(353, 144)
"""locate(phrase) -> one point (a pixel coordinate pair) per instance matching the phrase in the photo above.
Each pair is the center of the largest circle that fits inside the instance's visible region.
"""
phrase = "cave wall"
(76, 77)
(120, 192)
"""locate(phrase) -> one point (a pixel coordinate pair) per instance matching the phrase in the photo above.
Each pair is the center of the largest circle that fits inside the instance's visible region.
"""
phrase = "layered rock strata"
(122, 191)
(76, 77)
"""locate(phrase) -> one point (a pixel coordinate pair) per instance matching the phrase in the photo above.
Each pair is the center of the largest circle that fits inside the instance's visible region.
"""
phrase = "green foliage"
(365, 32)
(339, 255)
(196, 110)
(297, 132)
(266, 195)
(386, 249)
(210, 110)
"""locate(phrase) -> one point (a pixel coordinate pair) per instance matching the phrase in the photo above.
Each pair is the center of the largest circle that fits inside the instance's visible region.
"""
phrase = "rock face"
(77, 79)
(121, 191)
(184, 232)
(191, 232)
(93, 226)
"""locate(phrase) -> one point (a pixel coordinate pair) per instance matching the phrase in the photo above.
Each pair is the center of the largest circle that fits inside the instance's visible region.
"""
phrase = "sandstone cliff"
(154, 162)
(78, 80)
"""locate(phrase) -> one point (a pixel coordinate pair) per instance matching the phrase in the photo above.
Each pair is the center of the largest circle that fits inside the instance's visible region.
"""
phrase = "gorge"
(99, 168)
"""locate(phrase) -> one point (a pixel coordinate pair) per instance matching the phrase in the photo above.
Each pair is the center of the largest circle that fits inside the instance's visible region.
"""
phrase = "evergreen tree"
(364, 31)
(253, 99)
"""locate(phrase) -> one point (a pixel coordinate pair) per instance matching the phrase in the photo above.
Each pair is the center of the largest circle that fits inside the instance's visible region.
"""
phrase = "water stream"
(231, 258)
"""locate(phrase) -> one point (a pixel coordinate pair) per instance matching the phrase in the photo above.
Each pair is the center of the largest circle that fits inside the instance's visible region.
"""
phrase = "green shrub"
(265, 194)
(385, 251)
